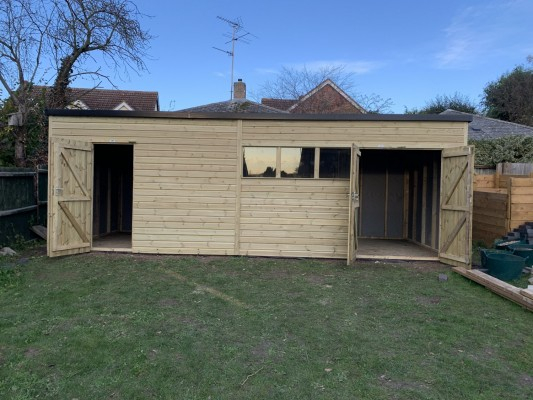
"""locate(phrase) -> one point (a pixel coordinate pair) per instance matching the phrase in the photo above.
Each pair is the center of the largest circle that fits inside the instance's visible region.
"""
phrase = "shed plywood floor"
(388, 249)
(113, 242)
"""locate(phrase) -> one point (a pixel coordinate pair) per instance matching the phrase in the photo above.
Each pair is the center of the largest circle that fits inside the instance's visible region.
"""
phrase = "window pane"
(297, 162)
(334, 163)
(259, 162)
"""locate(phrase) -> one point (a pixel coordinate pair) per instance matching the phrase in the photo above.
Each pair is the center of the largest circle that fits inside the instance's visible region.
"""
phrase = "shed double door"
(456, 202)
(69, 197)
(353, 213)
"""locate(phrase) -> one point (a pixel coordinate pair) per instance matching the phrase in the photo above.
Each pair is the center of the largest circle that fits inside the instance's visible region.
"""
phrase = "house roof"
(108, 99)
(260, 116)
(483, 127)
(280, 104)
(326, 98)
(233, 106)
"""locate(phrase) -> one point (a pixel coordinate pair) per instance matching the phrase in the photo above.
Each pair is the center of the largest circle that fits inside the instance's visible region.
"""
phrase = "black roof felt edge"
(258, 116)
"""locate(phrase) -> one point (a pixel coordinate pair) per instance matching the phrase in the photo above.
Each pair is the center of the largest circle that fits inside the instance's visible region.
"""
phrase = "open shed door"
(456, 200)
(353, 214)
(69, 197)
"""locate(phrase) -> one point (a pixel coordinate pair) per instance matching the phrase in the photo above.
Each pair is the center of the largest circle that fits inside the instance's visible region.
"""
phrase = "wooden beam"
(453, 234)
(456, 179)
(386, 211)
(415, 201)
(497, 286)
(74, 223)
(74, 173)
(434, 207)
(424, 204)
(405, 204)
(317, 163)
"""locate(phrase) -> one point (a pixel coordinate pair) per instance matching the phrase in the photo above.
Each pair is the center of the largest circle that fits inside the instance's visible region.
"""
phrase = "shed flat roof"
(260, 116)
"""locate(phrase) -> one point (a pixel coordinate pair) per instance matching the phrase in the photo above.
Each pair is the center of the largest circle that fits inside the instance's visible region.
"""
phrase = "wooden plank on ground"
(526, 292)
(39, 230)
(497, 286)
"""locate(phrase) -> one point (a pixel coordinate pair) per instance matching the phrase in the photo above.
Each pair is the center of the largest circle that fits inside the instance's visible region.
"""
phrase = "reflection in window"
(297, 162)
(259, 162)
(334, 163)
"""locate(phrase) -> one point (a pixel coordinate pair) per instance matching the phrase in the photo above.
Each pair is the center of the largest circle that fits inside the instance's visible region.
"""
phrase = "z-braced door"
(69, 197)
(353, 214)
(455, 239)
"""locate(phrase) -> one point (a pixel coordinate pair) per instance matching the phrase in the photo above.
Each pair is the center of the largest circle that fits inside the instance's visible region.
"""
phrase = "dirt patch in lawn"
(262, 349)
(31, 352)
(428, 300)
(397, 385)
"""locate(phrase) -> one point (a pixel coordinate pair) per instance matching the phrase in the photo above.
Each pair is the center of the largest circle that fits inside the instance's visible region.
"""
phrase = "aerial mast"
(237, 33)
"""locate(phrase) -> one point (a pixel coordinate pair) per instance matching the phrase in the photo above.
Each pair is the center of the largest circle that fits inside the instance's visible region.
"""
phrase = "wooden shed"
(331, 186)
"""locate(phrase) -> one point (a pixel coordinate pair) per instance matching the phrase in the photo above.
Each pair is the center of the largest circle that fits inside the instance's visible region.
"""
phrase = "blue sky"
(409, 51)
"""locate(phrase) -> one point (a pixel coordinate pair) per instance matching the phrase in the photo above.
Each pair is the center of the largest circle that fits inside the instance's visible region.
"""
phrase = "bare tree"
(83, 28)
(55, 40)
(292, 83)
(23, 35)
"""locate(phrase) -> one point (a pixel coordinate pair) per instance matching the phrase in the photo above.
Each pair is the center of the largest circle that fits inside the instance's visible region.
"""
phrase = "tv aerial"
(238, 33)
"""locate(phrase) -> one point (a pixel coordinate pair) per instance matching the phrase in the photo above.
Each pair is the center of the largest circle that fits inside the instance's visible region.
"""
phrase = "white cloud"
(492, 30)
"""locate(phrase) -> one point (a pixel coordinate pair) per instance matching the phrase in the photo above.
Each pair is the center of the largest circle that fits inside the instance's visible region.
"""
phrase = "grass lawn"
(105, 326)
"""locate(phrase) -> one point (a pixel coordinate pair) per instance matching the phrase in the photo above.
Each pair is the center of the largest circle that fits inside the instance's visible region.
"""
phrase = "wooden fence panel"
(490, 219)
(23, 193)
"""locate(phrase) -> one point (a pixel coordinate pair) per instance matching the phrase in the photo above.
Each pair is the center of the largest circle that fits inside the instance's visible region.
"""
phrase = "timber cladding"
(190, 196)
(500, 210)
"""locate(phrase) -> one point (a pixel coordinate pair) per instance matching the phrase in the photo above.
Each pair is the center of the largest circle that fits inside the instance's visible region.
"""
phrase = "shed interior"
(399, 203)
(112, 196)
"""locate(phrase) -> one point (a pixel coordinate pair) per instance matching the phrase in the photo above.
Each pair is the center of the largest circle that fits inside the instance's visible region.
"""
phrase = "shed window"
(259, 162)
(297, 162)
(334, 163)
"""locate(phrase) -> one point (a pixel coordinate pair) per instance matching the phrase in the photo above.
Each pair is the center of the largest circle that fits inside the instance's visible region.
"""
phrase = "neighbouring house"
(107, 99)
(238, 104)
(261, 184)
(326, 98)
(482, 128)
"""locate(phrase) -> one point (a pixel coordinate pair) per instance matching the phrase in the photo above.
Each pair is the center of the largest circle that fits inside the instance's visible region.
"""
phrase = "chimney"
(239, 89)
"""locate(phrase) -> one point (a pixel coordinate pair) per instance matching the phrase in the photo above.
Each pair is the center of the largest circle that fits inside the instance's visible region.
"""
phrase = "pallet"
(500, 287)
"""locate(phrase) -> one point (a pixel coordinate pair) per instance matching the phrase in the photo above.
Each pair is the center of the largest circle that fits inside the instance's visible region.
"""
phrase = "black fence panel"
(23, 195)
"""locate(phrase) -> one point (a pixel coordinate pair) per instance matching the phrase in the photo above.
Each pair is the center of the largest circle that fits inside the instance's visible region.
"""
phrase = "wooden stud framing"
(406, 204)
(317, 163)
(434, 206)
(415, 204)
(424, 204)
(386, 211)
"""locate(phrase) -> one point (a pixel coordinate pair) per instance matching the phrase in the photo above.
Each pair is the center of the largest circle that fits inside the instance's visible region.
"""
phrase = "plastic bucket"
(505, 266)
(483, 255)
(520, 246)
(504, 244)
(525, 251)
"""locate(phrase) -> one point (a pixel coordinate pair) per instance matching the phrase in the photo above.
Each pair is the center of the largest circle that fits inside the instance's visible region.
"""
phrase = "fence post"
(499, 170)
(509, 197)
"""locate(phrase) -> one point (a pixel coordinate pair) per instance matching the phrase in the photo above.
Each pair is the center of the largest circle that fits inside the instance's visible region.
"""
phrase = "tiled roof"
(326, 98)
(280, 104)
(107, 99)
(234, 106)
(489, 128)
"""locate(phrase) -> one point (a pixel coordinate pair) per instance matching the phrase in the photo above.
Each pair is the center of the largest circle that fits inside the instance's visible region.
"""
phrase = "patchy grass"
(103, 326)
